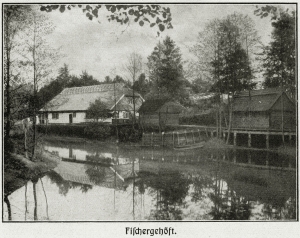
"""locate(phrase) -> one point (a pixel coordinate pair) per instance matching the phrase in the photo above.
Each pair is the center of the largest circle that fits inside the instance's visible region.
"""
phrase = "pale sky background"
(102, 48)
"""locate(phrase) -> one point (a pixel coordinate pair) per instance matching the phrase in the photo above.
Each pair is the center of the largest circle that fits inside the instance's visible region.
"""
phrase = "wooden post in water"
(173, 137)
(162, 138)
(193, 137)
(249, 140)
(234, 138)
(152, 139)
(178, 138)
(249, 157)
(267, 141)
(234, 156)
(186, 138)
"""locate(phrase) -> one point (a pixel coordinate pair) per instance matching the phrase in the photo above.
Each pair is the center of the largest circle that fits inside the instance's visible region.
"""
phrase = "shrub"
(130, 134)
(62, 130)
(97, 131)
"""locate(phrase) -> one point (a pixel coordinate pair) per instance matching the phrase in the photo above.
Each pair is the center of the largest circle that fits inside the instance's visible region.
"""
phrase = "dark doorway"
(70, 118)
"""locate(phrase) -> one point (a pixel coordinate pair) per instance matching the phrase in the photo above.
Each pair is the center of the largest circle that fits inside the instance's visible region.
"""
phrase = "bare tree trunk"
(34, 93)
(7, 86)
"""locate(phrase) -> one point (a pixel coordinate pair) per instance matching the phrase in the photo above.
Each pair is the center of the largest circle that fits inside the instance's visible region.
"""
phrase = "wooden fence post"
(249, 140)
(267, 141)
(173, 137)
(193, 137)
(234, 138)
(152, 139)
(186, 138)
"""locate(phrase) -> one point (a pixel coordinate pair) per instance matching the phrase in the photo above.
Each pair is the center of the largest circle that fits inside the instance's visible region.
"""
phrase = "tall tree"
(142, 85)
(54, 87)
(166, 71)
(223, 51)
(280, 56)
(134, 66)
(38, 57)
(13, 23)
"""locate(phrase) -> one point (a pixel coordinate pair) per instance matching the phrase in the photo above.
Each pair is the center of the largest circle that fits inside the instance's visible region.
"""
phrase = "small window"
(55, 115)
(125, 115)
(74, 114)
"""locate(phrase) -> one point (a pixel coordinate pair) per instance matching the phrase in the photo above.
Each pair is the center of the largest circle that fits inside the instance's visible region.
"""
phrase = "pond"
(95, 182)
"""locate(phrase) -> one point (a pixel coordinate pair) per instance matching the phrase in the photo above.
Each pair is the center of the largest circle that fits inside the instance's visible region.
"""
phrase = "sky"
(102, 48)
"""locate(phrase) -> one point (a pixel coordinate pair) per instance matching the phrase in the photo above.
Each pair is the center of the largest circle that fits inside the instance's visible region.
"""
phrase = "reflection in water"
(26, 210)
(6, 200)
(45, 199)
(34, 182)
(161, 185)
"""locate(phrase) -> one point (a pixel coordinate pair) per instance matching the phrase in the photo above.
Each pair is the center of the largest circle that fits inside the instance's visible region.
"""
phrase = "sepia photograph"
(134, 112)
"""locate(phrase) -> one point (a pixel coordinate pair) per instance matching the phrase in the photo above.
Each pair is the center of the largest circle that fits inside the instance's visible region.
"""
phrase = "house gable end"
(288, 105)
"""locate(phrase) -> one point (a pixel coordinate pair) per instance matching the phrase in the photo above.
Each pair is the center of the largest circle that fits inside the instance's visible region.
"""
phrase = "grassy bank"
(18, 170)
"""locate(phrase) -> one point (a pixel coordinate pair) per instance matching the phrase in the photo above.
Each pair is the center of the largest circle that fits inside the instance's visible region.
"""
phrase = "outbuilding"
(264, 109)
(160, 112)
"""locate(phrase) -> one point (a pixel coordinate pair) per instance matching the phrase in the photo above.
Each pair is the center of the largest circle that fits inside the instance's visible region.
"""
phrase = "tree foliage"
(13, 23)
(153, 15)
(142, 85)
(98, 110)
(225, 49)
(279, 57)
(62, 81)
(166, 71)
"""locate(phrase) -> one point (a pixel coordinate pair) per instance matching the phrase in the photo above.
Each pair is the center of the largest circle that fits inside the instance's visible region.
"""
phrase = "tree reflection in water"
(6, 200)
(170, 189)
(64, 186)
(34, 182)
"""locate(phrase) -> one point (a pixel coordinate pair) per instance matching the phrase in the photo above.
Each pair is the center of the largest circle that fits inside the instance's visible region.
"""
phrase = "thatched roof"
(79, 98)
(256, 100)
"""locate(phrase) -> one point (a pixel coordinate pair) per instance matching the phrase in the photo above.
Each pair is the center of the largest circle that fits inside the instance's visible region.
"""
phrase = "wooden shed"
(263, 109)
(160, 112)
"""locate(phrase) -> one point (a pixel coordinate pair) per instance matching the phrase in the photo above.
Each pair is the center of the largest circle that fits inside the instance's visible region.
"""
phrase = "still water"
(134, 183)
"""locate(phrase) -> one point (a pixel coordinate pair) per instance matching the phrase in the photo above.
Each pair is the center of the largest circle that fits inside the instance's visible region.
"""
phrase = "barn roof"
(259, 100)
(153, 105)
(79, 98)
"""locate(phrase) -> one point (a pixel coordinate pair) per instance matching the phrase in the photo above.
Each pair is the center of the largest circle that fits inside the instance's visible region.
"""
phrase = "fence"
(173, 139)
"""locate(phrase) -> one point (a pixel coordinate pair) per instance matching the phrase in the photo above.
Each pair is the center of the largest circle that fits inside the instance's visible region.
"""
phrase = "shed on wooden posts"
(263, 109)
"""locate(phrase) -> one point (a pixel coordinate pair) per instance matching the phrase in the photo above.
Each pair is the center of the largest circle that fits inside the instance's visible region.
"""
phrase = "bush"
(97, 131)
(130, 134)
(62, 130)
